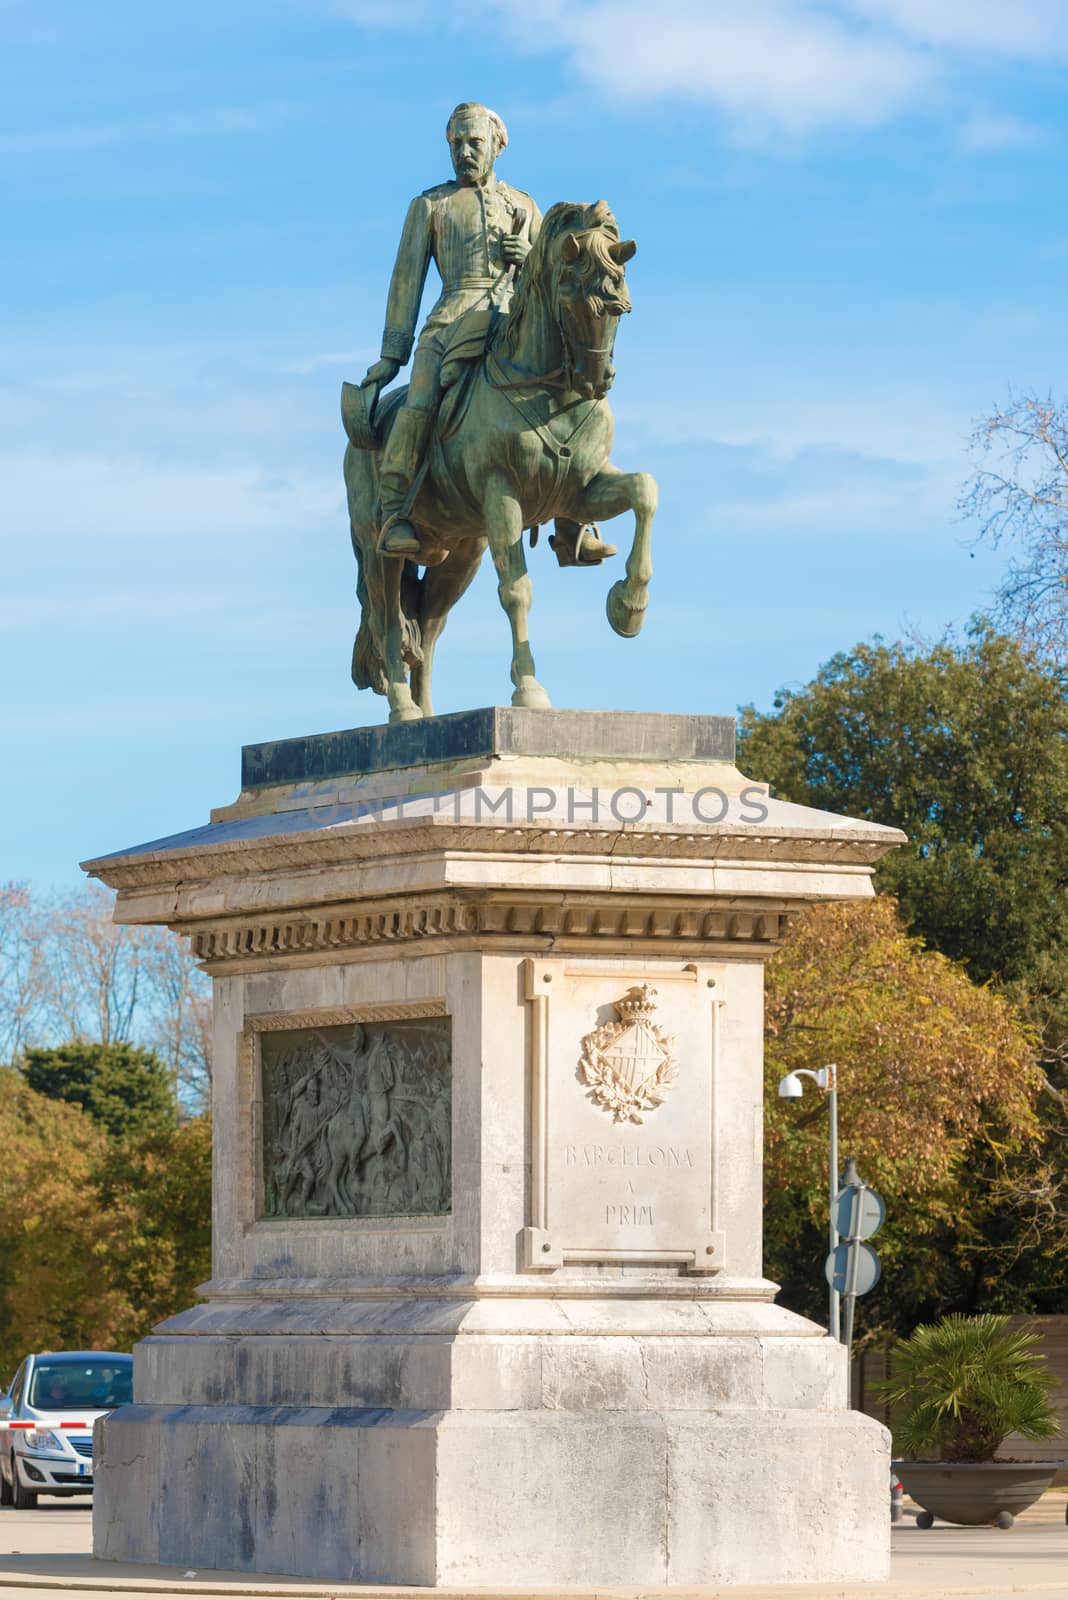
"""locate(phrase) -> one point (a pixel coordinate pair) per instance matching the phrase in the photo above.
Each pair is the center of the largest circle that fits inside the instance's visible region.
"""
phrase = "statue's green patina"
(515, 372)
(356, 1119)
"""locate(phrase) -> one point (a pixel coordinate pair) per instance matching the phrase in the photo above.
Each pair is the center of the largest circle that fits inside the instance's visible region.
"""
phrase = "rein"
(557, 447)
(559, 377)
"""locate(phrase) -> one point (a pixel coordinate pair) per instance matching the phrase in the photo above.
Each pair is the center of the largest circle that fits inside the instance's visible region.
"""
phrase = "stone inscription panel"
(357, 1119)
(630, 1191)
(630, 1141)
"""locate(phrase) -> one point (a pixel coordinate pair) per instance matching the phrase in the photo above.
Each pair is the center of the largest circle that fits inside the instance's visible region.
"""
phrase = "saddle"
(367, 424)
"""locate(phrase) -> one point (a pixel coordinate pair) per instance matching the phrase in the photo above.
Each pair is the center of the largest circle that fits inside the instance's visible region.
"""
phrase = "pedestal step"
(499, 1497)
(509, 1372)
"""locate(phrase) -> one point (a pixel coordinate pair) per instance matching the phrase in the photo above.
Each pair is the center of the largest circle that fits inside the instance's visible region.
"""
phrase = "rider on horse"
(479, 231)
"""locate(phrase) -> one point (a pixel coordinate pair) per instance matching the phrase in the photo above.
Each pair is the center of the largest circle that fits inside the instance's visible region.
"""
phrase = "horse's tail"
(411, 615)
(368, 650)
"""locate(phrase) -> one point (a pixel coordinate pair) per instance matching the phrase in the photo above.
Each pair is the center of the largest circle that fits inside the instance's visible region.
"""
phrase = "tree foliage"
(966, 749)
(959, 1388)
(120, 1085)
(68, 972)
(51, 1293)
(100, 1236)
(105, 1194)
(938, 1088)
(160, 1182)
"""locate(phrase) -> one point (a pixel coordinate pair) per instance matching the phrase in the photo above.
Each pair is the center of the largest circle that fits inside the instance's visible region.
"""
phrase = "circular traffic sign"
(868, 1270)
(858, 1213)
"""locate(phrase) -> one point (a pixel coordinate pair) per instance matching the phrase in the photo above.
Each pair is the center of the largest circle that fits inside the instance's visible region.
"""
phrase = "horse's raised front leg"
(442, 587)
(607, 495)
(402, 708)
(503, 517)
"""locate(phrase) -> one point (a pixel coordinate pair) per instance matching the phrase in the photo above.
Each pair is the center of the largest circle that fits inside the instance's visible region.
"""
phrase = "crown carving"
(638, 1004)
(628, 1065)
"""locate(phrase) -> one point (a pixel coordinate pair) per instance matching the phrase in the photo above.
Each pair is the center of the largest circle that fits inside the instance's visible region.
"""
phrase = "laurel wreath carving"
(627, 1101)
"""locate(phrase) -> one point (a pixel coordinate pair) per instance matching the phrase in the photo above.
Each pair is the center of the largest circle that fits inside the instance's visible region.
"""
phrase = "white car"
(49, 1389)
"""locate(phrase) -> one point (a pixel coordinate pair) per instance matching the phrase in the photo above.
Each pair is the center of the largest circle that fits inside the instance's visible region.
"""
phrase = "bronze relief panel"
(357, 1119)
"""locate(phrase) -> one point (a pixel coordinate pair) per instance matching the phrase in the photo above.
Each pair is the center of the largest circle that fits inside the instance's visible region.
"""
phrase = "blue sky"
(852, 238)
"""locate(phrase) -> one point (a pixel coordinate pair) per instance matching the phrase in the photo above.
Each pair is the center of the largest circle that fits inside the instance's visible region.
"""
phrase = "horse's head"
(576, 270)
(590, 293)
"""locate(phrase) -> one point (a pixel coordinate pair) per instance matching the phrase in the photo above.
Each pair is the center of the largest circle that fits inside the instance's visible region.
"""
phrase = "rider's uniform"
(460, 227)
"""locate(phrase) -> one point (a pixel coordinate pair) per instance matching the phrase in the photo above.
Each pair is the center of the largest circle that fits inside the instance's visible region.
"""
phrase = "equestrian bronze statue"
(503, 427)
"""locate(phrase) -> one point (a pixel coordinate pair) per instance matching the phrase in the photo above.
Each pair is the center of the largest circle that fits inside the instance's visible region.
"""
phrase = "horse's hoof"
(531, 696)
(625, 619)
(409, 713)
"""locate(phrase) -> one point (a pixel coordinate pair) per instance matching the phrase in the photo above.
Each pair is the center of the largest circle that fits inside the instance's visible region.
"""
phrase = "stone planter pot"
(975, 1494)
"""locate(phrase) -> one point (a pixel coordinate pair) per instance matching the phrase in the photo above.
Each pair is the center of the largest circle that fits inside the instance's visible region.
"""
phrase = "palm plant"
(959, 1387)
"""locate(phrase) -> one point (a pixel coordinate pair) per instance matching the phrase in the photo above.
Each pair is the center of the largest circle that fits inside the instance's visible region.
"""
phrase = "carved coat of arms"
(628, 1064)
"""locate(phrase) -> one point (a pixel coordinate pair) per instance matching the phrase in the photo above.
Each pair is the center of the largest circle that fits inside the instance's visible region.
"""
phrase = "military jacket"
(459, 227)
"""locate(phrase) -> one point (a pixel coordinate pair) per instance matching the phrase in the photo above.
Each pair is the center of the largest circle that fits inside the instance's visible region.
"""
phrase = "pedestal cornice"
(499, 863)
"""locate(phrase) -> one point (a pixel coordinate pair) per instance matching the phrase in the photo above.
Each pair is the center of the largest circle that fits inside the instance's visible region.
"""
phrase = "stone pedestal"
(487, 1303)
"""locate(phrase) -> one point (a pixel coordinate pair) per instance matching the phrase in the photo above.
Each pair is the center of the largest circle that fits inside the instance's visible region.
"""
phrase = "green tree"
(100, 1237)
(125, 1088)
(965, 747)
(938, 1090)
(159, 1184)
(54, 1239)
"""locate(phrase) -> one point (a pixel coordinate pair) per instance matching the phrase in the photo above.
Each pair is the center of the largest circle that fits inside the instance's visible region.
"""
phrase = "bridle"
(560, 377)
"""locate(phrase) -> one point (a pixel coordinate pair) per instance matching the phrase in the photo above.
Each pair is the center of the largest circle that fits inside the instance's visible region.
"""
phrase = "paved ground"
(48, 1550)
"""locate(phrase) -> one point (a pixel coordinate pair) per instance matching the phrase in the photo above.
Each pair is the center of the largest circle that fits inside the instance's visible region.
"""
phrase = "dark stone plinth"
(493, 731)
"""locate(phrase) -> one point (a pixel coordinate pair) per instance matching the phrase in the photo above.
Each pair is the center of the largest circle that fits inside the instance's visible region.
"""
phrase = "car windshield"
(81, 1385)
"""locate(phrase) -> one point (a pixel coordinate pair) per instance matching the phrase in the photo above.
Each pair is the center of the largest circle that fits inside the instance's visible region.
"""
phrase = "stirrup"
(582, 547)
(399, 538)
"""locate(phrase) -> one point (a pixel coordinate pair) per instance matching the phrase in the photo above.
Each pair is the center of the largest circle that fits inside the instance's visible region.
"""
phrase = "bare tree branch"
(1021, 498)
(68, 971)
(22, 973)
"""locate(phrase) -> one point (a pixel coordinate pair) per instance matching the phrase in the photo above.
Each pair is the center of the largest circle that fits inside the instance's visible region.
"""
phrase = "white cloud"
(770, 66)
(109, 497)
(1025, 29)
(987, 131)
(762, 62)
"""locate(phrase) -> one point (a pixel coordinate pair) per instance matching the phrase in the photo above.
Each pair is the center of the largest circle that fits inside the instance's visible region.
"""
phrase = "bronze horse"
(531, 441)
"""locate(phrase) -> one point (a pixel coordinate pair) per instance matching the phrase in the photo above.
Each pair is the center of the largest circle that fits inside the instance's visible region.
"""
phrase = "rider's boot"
(400, 462)
(579, 544)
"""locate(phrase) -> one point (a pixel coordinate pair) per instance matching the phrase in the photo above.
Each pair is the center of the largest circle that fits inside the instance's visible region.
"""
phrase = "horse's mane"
(567, 216)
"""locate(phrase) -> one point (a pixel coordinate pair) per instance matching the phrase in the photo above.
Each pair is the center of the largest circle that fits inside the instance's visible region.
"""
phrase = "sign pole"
(856, 1210)
(836, 1299)
(852, 1267)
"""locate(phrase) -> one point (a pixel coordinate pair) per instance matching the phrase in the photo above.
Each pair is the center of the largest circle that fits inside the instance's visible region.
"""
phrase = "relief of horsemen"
(357, 1120)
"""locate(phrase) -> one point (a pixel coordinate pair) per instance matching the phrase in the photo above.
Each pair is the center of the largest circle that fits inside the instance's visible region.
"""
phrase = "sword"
(519, 222)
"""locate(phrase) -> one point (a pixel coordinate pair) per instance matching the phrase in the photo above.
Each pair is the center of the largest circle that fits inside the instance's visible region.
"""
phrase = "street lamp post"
(791, 1088)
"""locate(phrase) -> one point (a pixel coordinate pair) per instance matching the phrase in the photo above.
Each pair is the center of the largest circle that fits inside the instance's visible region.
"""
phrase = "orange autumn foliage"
(930, 1064)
